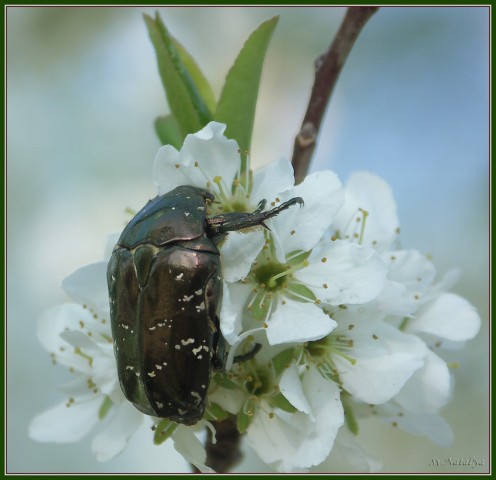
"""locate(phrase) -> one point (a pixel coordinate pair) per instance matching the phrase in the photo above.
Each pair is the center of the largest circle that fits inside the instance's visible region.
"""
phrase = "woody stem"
(327, 69)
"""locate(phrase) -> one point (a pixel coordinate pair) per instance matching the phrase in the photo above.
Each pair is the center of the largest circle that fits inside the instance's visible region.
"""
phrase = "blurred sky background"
(83, 90)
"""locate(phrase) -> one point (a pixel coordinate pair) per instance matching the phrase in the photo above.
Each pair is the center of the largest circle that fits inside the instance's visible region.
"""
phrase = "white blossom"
(350, 324)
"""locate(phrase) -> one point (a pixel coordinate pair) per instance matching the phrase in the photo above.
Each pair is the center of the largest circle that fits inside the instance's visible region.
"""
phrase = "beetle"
(165, 290)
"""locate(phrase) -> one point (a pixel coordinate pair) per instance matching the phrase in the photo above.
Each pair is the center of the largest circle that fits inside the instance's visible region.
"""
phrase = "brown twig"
(225, 453)
(327, 69)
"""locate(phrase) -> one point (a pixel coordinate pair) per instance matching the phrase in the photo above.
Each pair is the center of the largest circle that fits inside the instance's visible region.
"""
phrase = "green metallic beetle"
(165, 290)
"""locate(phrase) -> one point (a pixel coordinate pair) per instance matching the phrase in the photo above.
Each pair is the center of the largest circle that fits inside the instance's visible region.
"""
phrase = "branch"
(225, 453)
(327, 69)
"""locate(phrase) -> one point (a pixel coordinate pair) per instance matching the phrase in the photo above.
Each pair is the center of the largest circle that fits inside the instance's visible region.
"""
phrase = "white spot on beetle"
(158, 367)
(199, 292)
(200, 307)
(151, 374)
(199, 357)
(137, 374)
(160, 405)
(178, 277)
(187, 214)
(188, 341)
(187, 298)
(152, 328)
(203, 386)
(196, 350)
(197, 396)
(129, 367)
(177, 347)
(200, 208)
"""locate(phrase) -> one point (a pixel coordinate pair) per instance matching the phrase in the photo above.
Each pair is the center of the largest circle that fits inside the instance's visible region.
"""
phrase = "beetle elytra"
(165, 291)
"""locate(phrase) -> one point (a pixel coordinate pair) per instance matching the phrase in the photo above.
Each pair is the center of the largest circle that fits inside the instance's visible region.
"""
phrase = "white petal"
(429, 388)
(203, 156)
(354, 454)
(298, 322)
(430, 425)
(64, 424)
(449, 316)
(166, 173)
(271, 180)
(208, 154)
(370, 193)
(411, 269)
(394, 299)
(230, 400)
(52, 323)
(300, 228)
(233, 301)
(343, 272)
(278, 439)
(88, 286)
(383, 364)
(186, 443)
(291, 387)
(238, 253)
(111, 441)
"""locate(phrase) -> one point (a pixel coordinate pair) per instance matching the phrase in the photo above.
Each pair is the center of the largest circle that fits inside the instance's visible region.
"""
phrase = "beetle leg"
(232, 221)
(249, 355)
(261, 206)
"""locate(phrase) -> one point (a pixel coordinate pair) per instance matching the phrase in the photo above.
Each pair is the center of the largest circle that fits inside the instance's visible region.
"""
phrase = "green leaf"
(168, 131)
(183, 102)
(163, 431)
(206, 94)
(237, 103)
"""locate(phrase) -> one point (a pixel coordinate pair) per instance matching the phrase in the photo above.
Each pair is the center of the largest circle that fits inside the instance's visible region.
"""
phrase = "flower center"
(271, 276)
(321, 353)
(259, 382)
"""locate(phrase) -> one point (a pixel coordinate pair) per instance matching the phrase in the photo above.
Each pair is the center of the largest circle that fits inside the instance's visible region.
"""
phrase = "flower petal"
(291, 387)
(238, 253)
(298, 322)
(353, 453)
(204, 155)
(64, 424)
(278, 438)
(411, 269)
(429, 388)
(430, 425)
(380, 372)
(111, 441)
(371, 193)
(186, 443)
(233, 300)
(342, 272)
(449, 316)
(88, 286)
(167, 173)
(301, 228)
(271, 180)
